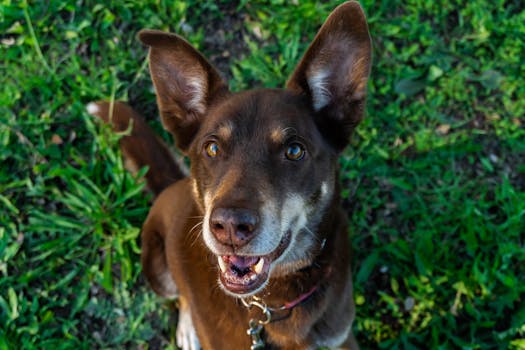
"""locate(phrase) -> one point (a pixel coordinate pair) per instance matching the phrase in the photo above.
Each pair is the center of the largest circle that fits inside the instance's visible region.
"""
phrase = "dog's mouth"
(244, 275)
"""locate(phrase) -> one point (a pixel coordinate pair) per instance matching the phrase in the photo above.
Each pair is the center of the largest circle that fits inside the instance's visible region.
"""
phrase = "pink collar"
(267, 311)
(291, 304)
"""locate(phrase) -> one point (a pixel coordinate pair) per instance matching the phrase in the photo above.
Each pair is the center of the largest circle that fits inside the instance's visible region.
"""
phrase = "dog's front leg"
(186, 335)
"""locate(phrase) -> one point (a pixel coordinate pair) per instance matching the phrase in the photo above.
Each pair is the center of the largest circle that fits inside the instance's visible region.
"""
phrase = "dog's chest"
(223, 322)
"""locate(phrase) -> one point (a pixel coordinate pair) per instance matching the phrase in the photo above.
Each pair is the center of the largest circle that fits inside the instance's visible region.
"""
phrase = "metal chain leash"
(255, 327)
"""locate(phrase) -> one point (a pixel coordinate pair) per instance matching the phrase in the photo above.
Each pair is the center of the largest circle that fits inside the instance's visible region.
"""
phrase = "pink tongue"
(241, 261)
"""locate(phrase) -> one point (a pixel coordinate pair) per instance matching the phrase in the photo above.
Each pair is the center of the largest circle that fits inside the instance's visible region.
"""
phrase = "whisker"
(196, 233)
(317, 238)
(195, 226)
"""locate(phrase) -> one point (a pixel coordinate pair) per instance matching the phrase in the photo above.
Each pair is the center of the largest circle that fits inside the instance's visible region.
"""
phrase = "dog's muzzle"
(246, 275)
(242, 274)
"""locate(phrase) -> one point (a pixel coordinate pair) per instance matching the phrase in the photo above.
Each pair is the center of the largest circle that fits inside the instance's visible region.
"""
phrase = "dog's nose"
(233, 226)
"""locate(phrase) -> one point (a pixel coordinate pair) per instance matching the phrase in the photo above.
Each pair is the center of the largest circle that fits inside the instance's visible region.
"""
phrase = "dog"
(254, 241)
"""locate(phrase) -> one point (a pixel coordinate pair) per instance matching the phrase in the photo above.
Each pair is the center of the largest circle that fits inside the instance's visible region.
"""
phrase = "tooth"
(258, 268)
(222, 264)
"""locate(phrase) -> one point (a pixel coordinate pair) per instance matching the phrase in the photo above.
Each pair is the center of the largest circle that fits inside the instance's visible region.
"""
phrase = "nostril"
(217, 226)
(244, 228)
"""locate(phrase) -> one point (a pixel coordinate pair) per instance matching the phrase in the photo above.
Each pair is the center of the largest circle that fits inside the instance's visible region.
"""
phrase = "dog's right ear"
(333, 72)
(185, 82)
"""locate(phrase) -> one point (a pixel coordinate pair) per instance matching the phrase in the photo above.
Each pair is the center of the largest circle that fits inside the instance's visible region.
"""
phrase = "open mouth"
(246, 274)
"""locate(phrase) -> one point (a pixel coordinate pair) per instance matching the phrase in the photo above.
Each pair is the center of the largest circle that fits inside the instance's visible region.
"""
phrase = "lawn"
(434, 179)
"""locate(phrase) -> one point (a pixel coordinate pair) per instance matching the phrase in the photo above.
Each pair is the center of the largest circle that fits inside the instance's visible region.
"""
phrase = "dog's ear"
(334, 71)
(186, 83)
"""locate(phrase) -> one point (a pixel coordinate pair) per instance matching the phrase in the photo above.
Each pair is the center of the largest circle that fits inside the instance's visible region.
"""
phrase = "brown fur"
(224, 320)
(321, 106)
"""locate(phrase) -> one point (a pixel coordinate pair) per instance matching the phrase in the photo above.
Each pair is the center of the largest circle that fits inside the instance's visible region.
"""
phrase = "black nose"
(233, 226)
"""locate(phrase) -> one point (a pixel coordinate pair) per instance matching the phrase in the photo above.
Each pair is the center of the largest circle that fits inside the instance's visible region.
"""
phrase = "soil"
(224, 36)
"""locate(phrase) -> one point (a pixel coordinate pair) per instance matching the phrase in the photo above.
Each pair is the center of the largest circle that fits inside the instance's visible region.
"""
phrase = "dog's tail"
(141, 147)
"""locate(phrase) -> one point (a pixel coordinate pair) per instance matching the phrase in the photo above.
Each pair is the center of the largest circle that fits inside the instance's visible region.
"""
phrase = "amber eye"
(212, 149)
(295, 151)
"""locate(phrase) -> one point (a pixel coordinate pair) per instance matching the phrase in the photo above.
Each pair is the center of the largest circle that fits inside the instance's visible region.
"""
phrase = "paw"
(186, 334)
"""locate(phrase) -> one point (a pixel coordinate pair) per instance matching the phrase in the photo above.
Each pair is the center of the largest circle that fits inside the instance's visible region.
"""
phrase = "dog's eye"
(212, 149)
(295, 151)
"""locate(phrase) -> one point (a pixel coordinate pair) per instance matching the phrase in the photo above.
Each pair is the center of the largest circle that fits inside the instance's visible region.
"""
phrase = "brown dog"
(254, 239)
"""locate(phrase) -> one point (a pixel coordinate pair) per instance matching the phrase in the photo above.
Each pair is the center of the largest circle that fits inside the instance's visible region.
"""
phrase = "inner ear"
(186, 83)
(334, 71)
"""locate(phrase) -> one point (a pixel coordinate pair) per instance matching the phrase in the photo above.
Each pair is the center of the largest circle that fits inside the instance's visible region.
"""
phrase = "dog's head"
(263, 162)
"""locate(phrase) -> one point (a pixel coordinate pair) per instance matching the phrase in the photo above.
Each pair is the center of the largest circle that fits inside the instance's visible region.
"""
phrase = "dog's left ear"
(186, 83)
(334, 71)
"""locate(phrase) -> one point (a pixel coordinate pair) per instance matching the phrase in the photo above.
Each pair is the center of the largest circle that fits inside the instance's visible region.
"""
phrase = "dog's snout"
(233, 226)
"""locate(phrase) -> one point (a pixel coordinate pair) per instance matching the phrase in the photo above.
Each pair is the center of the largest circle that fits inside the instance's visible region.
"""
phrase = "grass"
(434, 180)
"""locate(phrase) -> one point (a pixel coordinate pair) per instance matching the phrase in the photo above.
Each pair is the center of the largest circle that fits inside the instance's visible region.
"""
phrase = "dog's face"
(263, 162)
(263, 175)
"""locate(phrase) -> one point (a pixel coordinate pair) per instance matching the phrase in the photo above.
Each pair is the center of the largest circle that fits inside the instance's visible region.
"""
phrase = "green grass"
(434, 180)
